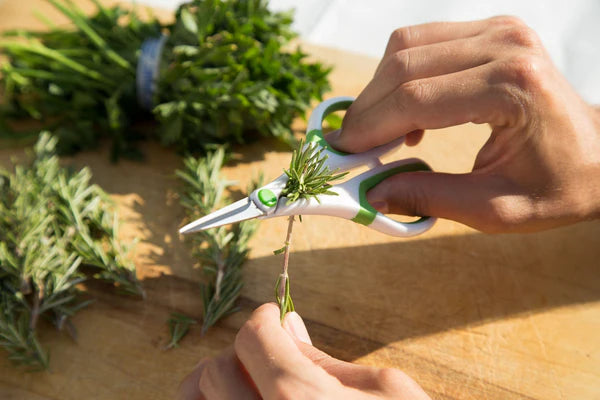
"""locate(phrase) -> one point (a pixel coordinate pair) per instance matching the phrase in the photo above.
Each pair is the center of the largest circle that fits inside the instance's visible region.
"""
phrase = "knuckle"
(390, 378)
(400, 38)
(413, 201)
(416, 93)
(519, 35)
(506, 20)
(524, 71)
(522, 36)
(401, 62)
(356, 131)
(419, 201)
(505, 214)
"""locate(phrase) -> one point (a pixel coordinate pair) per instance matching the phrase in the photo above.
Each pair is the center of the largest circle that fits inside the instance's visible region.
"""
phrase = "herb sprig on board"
(56, 230)
(223, 250)
(227, 74)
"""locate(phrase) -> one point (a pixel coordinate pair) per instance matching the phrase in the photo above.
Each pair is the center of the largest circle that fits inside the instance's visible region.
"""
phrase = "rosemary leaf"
(179, 325)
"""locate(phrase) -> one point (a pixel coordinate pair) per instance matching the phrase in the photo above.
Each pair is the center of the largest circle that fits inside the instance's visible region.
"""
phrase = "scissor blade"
(239, 211)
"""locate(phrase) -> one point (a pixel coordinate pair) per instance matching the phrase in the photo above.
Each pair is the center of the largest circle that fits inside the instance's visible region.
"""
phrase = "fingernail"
(380, 206)
(295, 326)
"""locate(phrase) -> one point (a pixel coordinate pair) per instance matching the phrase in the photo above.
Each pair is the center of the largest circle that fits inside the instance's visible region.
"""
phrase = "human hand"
(272, 362)
(540, 167)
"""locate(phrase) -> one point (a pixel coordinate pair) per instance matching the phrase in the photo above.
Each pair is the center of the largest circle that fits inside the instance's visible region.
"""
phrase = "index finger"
(430, 33)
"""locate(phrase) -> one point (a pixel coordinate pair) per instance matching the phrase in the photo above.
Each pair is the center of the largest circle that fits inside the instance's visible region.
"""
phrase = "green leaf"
(279, 251)
(188, 21)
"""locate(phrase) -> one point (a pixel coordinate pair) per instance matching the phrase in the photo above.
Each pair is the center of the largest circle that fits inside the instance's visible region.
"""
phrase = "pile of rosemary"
(226, 74)
(56, 230)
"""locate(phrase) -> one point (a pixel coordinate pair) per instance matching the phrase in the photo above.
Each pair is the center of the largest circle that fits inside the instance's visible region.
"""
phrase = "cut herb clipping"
(225, 74)
(308, 177)
(222, 250)
(53, 223)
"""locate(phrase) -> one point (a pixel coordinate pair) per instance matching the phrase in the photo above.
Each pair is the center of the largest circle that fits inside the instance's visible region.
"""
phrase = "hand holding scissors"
(351, 200)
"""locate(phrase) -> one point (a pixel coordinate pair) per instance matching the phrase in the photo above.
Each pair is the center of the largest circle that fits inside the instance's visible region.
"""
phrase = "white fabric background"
(570, 30)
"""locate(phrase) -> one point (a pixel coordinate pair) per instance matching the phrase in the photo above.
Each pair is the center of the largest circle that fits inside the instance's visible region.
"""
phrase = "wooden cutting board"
(467, 315)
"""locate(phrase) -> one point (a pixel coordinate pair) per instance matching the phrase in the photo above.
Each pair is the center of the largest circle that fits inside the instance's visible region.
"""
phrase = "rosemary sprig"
(222, 250)
(179, 325)
(53, 222)
(308, 177)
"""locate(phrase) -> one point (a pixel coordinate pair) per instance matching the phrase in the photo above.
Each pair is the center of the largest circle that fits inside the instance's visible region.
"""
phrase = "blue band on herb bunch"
(147, 70)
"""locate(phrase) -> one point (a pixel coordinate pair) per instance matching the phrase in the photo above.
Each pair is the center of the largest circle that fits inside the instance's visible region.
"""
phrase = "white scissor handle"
(351, 201)
(337, 159)
(367, 215)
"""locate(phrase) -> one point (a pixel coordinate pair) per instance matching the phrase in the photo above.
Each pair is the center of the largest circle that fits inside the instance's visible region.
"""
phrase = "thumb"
(361, 377)
(466, 198)
(294, 325)
(357, 376)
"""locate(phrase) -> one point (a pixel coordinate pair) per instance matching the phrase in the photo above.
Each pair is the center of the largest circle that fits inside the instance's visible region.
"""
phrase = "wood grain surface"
(467, 315)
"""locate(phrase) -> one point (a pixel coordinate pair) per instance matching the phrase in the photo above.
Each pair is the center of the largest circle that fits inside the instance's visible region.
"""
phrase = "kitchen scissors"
(351, 200)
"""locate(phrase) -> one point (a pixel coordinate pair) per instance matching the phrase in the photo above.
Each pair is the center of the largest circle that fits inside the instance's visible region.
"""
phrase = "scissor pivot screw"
(267, 197)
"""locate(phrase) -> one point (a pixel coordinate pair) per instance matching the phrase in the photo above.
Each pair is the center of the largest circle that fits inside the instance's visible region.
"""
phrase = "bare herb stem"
(282, 287)
(286, 258)
(219, 279)
(35, 309)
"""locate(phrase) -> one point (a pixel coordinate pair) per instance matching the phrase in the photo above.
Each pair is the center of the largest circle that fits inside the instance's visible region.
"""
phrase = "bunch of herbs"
(78, 81)
(227, 74)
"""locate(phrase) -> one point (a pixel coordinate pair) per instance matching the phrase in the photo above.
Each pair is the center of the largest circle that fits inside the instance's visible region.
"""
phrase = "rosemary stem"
(35, 310)
(286, 257)
(219, 279)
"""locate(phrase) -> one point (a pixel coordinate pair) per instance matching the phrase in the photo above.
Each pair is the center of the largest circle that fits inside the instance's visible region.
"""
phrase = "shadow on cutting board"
(356, 300)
